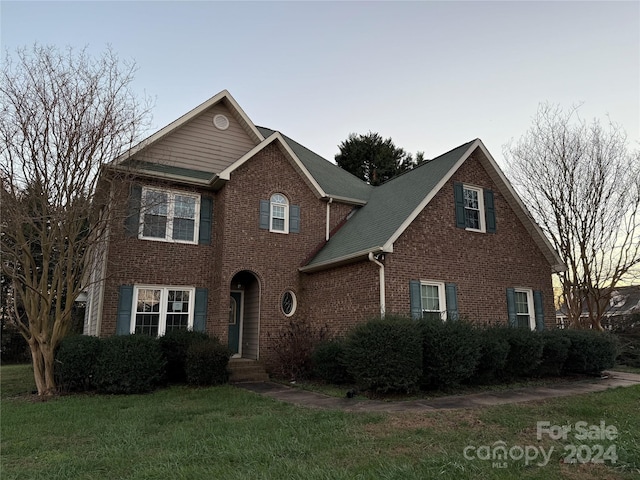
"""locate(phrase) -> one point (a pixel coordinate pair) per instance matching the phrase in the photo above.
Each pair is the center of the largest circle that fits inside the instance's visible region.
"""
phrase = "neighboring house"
(237, 230)
(624, 302)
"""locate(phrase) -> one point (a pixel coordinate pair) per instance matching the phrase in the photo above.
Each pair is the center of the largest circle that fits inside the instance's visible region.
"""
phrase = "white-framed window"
(158, 310)
(288, 303)
(279, 213)
(474, 208)
(169, 216)
(525, 313)
(433, 300)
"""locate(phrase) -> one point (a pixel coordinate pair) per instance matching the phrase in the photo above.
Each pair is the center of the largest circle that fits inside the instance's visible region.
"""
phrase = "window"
(473, 208)
(279, 218)
(288, 303)
(524, 309)
(432, 300)
(169, 216)
(158, 310)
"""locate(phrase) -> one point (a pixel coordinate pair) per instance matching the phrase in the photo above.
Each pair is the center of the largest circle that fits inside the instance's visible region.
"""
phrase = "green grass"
(228, 433)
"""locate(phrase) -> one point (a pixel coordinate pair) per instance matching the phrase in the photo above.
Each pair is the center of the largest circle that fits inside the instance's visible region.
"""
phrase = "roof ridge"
(425, 163)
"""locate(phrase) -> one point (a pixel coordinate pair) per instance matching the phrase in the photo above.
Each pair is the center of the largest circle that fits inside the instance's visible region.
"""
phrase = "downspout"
(372, 258)
(328, 218)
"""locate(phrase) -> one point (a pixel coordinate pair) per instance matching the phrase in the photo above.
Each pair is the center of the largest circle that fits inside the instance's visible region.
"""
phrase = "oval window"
(288, 303)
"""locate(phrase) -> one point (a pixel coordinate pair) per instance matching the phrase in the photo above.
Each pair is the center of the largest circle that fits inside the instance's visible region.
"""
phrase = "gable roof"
(393, 205)
(224, 97)
(623, 301)
(386, 210)
(336, 182)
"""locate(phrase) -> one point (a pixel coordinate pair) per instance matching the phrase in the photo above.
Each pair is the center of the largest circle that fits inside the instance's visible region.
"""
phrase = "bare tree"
(63, 116)
(582, 184)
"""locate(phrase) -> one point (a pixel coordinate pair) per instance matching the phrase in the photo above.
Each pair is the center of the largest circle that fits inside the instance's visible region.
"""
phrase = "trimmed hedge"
(328, 362)
(494, 351)
(75, 363)
(129, 364)
(385, 355)
(450, 352)
(174, 346)
(206, 363)
(525, 351)
(590, 351)
(554, 353)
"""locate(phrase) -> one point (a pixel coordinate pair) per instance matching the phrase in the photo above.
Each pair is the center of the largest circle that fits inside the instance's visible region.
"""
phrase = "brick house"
(236, 230)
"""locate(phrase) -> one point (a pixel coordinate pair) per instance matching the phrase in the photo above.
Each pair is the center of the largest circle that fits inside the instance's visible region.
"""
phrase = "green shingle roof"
(389, 205)
(335, 181)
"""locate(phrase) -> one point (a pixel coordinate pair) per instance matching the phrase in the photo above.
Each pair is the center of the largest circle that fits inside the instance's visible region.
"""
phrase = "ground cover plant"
(226, 432)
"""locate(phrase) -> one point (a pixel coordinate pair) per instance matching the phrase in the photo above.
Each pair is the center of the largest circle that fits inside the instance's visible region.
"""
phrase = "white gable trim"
(510, 195)
(224, 95)
(293, 158)
(388, 246)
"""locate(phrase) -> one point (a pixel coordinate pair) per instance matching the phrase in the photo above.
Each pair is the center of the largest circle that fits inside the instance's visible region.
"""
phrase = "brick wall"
(432, 248)
(132, 261)
(483, 265)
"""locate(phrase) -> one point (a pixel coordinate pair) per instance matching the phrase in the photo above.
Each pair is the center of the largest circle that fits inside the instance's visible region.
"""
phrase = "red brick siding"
(483, 265)
(341, 297)
(274, 258)
(132, 261)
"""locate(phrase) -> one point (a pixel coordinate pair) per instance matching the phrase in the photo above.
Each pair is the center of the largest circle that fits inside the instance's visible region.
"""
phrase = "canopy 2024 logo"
(501, 454)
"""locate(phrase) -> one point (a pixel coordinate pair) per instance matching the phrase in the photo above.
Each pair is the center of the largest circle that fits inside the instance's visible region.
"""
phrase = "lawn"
(228, 433)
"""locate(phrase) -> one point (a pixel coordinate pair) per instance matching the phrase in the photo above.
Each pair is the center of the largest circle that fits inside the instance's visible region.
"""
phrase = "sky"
(430, 75)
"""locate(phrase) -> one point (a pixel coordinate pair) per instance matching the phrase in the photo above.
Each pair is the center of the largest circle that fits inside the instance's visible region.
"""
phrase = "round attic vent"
(221, 122)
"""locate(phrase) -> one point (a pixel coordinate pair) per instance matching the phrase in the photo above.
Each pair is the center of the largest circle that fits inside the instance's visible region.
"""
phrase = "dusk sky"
(430, 75)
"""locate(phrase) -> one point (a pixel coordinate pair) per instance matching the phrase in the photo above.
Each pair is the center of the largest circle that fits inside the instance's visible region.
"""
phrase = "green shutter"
(132, 222)
(264, 214)
(294, 219)
(206, 215)
(538, 306)
(200, 310)
(415, 300)
(458, 190)
(125, 303)
(451, 294)
(489, 211)
(511, 307)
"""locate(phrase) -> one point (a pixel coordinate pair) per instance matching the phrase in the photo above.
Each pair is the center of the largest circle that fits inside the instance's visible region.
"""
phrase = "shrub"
(385, 355)
(13, 346)
(554, 353)
(206, 363)
(129, 364)
(75, 363)
(494, 351)
(328, 362)
(627, 331)
(590, 351)
(293, 345)
(525, 351)
(450, 352)
(174, 346)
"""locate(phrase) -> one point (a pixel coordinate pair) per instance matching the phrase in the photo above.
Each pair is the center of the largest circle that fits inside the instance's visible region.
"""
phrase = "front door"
(235, 310)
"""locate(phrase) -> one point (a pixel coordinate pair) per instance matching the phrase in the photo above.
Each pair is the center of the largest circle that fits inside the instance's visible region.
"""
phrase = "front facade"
(237, 230)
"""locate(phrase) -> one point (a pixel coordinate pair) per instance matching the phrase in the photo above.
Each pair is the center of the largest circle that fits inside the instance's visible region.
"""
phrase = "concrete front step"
(246, 370)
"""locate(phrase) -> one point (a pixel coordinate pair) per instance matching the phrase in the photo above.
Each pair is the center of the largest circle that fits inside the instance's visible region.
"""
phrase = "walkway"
(305, 398)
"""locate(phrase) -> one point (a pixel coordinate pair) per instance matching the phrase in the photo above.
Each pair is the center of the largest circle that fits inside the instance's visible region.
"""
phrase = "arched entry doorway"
(244, 315)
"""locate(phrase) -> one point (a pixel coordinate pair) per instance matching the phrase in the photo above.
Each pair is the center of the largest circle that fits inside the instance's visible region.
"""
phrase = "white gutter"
(372, 258)
(328, 218)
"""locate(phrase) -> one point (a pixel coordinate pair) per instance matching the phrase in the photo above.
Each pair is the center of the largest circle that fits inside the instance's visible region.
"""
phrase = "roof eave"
(163, 176)
(339, 261)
